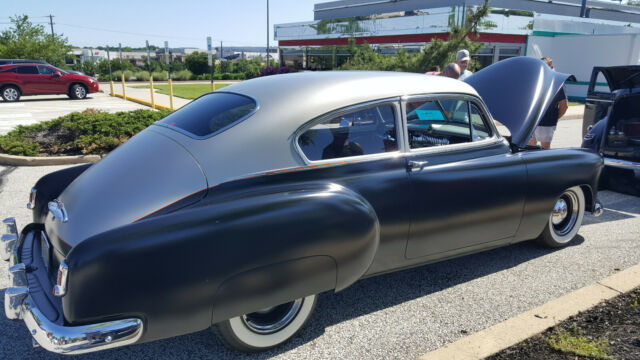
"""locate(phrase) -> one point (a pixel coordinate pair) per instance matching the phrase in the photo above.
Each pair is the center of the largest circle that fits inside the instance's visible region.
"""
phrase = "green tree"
(197, 62)
(24, 40)
(438, 52)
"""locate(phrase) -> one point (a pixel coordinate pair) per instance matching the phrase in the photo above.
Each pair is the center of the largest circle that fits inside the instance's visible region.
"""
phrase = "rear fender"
(220, 259)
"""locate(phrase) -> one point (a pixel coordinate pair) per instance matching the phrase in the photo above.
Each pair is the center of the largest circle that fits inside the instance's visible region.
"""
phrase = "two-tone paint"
(182, 233)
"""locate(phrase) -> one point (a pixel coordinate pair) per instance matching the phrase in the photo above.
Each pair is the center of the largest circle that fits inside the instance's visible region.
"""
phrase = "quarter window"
(28, 70)
(479, 123)
(362, 132)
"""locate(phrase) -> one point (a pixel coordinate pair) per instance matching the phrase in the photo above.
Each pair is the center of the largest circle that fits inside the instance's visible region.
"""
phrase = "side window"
(28, 70)
(45, 70)
(368, 131)
(479, 123)
(437, 122)
(11, 70)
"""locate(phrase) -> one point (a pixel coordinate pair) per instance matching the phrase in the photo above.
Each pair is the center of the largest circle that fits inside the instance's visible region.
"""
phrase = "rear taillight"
(32, 199)
(61, 280)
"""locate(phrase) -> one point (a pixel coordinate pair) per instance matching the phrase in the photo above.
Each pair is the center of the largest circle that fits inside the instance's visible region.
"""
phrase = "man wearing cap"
(462, 59)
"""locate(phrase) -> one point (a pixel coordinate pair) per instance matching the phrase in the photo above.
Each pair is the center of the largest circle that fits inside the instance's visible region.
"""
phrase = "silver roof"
(263, 142)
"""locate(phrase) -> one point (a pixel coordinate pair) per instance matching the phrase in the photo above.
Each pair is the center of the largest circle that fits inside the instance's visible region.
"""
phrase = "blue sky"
(182, 23)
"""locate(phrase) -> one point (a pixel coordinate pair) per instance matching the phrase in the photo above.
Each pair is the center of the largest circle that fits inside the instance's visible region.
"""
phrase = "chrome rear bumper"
(19, 305)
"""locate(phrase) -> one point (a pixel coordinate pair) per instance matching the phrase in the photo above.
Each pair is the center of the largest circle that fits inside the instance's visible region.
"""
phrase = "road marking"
(498, 337)
(15, 116)
(6, 105)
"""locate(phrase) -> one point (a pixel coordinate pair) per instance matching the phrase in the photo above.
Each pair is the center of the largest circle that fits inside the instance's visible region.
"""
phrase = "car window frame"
(25, 66)
(494, 138)
(394, 102)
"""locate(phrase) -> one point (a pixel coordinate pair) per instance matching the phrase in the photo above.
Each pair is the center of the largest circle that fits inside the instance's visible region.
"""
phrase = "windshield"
(210, 114)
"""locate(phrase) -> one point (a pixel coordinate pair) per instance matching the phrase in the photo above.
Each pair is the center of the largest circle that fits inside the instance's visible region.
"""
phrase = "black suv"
(611, 125)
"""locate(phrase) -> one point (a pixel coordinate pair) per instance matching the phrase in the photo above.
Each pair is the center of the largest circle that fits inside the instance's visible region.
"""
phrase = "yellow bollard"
(212, 87)
(124, 93)
(153, 103)
(170, 94)
(111, 86)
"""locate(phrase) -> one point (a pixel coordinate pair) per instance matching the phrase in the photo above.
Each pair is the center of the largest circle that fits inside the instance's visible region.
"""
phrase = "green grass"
(575, 104)
(185, 91)
(576, 343)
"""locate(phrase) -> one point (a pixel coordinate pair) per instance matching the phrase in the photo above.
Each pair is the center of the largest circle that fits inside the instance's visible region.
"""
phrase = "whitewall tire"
(266, 328)
(565, 218)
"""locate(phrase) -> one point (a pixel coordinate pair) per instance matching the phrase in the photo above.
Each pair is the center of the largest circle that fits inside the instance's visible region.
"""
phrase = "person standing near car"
(462, 59)
(557, 109)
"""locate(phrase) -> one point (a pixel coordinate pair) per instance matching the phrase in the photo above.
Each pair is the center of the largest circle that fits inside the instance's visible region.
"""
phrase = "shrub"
(239, 76)
(274, 71)
(142, 76)
(88, 132)
(159, 76)
(128, 74)
(183, 75)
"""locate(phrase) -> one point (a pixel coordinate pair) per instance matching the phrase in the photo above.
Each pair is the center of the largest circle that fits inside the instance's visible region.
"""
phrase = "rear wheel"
(266, 328)
(565, 219)
(78, 92)
(10, 93)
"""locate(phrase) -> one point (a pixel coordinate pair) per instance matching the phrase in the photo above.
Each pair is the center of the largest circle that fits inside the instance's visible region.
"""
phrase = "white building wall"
(578, 54)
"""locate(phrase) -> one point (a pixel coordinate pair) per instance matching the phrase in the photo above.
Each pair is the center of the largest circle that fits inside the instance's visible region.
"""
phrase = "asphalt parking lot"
(33, 109)
(401, 315)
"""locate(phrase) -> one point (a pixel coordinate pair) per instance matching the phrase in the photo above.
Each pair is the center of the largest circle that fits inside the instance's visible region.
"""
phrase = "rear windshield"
(210, 113)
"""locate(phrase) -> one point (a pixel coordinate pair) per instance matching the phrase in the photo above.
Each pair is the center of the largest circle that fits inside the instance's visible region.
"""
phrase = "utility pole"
(221, 52)
(51, 23)
(267, 33)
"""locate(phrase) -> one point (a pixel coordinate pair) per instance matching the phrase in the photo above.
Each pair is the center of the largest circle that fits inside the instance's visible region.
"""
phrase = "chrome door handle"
(416, 165)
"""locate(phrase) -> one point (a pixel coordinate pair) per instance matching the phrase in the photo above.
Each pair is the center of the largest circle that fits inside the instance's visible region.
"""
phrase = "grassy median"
(185, 91)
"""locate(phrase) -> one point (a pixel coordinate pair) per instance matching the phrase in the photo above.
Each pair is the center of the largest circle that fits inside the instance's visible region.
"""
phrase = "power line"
(130, 33)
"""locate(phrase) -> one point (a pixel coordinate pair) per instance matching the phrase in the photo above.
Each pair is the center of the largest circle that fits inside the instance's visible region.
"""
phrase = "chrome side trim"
(78, 339)
(625, 164)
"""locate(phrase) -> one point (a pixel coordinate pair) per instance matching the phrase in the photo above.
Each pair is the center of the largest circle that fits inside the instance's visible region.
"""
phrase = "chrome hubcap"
(10, 94)
(559, 212)
(273, 319)
(80, 91)
(565, 213)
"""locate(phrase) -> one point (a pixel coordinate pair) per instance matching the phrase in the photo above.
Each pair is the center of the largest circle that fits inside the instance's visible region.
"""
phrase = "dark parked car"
(235, 211)
(40, 79)
(611, 125)
(21, 61)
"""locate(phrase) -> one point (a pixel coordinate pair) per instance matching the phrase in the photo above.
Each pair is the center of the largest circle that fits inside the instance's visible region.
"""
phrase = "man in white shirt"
(462, 59)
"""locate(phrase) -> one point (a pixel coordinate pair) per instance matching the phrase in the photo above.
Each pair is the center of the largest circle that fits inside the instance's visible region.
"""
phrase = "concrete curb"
(13, 160)
(512, 331)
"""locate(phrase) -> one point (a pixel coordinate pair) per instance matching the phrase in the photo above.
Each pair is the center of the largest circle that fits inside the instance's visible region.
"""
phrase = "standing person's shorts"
(544, 133)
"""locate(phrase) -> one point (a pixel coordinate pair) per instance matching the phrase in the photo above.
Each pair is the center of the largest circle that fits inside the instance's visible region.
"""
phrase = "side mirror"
(56, 74)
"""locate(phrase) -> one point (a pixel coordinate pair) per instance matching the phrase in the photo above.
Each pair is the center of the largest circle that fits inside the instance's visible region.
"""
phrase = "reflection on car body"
(235, 211)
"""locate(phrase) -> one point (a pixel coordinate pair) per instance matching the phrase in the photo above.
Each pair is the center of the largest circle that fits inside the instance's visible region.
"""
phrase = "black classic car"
(235, 211)
(611, 125)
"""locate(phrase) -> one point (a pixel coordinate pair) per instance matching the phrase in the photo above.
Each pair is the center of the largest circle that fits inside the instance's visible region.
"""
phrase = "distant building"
(514, 28)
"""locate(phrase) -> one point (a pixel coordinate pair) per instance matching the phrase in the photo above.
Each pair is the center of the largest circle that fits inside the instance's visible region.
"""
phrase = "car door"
(467, 189)
(28, 78)
(49, 81)
(599, 99)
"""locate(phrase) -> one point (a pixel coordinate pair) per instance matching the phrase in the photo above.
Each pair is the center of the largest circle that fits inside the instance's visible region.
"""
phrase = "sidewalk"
(145, 94)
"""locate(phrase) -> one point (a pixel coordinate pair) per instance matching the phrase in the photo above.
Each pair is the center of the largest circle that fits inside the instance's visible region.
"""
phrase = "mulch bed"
(617, 320)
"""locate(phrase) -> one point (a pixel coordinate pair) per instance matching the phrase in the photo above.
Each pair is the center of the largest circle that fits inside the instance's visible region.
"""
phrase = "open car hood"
(518, 92)
(621, 77)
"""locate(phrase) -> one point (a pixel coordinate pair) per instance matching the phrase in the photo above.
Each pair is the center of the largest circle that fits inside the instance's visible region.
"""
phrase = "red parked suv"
(40, 79)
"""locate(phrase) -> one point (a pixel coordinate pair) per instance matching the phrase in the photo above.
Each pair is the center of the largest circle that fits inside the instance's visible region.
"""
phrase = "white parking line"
(15, 116)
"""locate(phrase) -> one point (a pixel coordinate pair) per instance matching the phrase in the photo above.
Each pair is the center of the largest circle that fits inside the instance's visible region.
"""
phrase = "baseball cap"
(462, 55)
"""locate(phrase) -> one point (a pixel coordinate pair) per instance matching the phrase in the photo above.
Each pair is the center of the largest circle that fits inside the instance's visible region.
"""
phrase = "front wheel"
(266, 328)
(565, 219)
(78, 92)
